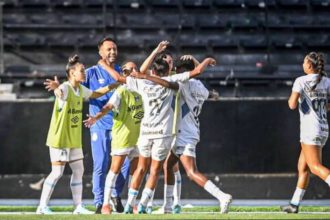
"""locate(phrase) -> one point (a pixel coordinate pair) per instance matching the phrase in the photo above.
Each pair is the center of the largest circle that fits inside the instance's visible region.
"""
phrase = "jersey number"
(156, 105)
(320, 107)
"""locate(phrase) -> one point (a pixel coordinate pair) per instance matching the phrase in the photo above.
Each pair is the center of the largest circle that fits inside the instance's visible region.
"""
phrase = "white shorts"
(157, 148)
(187, 150)
(65, 154)
(319, 140)
(131, 152)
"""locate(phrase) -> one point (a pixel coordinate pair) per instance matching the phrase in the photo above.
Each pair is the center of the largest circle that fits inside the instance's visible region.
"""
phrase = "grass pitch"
(236, 212)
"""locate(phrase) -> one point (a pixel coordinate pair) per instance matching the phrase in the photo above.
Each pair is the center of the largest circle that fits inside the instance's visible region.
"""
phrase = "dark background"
(237, 136)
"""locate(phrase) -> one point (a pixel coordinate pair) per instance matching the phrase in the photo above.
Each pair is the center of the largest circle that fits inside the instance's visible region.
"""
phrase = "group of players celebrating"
(155, 111)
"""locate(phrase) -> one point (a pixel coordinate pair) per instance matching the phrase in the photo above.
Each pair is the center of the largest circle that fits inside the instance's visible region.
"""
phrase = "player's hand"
(211, 61)
(190, 57)
(161, 46)
(89, 121)
(51, 84)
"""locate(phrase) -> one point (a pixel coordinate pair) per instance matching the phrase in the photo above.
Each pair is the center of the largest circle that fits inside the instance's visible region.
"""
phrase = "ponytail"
(72, 61)
(317, 61)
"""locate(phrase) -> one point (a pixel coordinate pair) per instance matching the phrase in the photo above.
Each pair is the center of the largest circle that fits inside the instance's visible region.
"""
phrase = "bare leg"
(313, 156)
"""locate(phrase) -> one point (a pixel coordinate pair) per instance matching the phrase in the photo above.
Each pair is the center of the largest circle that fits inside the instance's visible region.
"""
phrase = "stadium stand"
(260, 41)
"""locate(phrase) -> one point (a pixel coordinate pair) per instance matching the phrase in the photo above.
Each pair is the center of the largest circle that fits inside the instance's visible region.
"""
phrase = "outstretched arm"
(200, 68)
(147, 63)
(157, 80)
(53, 85)
(104, 90)
(92, 120)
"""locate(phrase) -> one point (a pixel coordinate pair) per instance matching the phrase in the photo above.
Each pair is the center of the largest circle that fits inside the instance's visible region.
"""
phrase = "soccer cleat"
(225, 203)
(176, 209)
(128, 209)
(45, 210)
(98, 209)
(81, 210)
(117, 204)
(142, 209)
(290, 208)
(149, 209)
(106, 209)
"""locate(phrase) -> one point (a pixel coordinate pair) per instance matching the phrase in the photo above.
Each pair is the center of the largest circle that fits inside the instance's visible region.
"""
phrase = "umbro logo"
(138, 115)
(75, 119)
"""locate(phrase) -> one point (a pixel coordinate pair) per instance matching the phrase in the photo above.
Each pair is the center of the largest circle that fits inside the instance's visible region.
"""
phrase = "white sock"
(151, 201)
(297, 196)
(49, 184)
(147, 194)
(129, 181)
(168, 196)
(214, 190)
(110, 184)
(76, 183)
(177, 188)
(327, 180)
(132, 194)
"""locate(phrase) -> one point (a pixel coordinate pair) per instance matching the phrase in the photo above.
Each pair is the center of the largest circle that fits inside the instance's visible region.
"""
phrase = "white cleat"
(225, 203)
(44, 210)
(81, 210)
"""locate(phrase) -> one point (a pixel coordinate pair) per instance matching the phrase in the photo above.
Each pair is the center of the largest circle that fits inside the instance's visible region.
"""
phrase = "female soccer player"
(193, 95)
(128, 112)
(311, 91)
(64, 135)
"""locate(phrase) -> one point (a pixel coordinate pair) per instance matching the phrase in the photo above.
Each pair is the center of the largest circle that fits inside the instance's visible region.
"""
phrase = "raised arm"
(293, 100)
(104, 90)
(91, 120)
(157, 80)
(200, 68)
(147, 63)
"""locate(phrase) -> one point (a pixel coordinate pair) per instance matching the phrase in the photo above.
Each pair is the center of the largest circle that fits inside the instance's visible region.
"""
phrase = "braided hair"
(317, 61)
(72, 61)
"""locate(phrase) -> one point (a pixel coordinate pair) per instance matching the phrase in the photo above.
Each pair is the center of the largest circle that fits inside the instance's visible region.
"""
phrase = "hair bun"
(73, 59)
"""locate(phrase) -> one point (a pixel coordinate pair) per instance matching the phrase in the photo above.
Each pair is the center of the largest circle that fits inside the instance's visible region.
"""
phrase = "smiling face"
(108, 52)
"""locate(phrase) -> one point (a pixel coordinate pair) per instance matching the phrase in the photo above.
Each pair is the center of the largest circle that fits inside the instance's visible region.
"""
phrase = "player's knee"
(315, 168)
(56, 174)
(191, 174)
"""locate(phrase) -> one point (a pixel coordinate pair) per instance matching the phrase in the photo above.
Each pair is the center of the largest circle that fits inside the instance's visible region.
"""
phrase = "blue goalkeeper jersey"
(97, 77)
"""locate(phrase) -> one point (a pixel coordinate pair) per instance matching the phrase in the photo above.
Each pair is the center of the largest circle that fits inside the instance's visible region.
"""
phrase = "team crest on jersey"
(101, 81)
(137, 98)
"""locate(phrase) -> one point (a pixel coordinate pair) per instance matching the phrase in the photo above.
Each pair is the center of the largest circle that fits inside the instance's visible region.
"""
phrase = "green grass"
(194, 213)
(195, 209)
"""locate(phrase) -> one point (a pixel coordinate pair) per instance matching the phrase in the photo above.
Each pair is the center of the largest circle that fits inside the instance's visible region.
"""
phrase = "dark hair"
(72, 61)
(317, 61)
(163, 55)
(160, 67)
(104, 40)
(185, 65)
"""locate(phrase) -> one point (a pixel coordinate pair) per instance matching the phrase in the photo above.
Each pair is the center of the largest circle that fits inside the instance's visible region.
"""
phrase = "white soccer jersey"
(193, 95)
(312, 106)
(158, 104)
